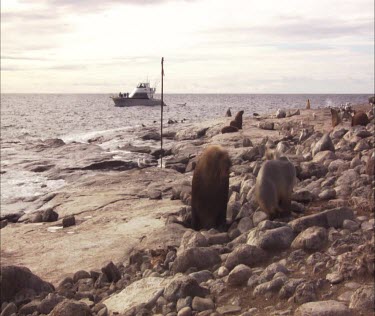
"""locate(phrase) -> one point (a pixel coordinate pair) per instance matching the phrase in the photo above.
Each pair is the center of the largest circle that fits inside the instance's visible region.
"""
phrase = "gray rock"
(305, 292)
(271, 270)
(271, 286)
(202, 304)
(81, 274)
(325, 143)
(245, 224)
(246, 142)
(280, 113)
(313, 238)
(233, 209)
(330, 218)
(335, 277)
(200, 258)
(312, 169)
(183, 287)
(49, 215)
(363, 299)
(327, 194)
(112, 272)
(49, 303)
(245, 254)
(228, 309)
(222, 272)
(29, 308)
(323, 308)
(258, 217)
(9, 309)
(351, 225)
(202, 276)
(239, 275)
(348, 177)
(217, 239)
(15, 279)
(266, 125)
(68, 221)
(289, 288)
(192, 239)
(325, 155)
(303, 196)
(69, 308)
(186, 311)
(184, 302)
(297, 207)
(154, 194)
(272, 239)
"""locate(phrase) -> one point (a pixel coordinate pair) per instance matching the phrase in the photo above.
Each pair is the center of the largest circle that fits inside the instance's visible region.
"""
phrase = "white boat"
(143, 94)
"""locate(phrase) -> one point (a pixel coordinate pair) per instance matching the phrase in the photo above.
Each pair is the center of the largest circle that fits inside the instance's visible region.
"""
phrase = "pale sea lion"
(274, 187)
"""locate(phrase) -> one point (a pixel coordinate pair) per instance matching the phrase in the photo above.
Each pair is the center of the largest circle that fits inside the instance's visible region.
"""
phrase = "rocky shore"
(113, 238)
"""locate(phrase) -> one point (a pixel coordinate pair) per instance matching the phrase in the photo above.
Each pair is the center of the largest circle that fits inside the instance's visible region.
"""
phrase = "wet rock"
(16, 279)
(202, 304)
(323, 308)
(313, 238)
(112, 272)
(325, 143)
(363, 299)
(330, 218)
(182, 287)
(272, 239)
(68, 221)
(200, 258)
(68, 308)
(49, 303)
(239, 275)
(245, 254)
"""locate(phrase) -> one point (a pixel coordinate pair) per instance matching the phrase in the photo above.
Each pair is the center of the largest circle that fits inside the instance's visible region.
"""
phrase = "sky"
(209, 46)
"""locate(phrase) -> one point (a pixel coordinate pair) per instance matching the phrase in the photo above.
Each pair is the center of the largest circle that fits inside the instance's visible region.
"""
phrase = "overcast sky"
(209, 46)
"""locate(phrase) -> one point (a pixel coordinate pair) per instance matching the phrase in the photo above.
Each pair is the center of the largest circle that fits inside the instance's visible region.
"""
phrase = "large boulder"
(325, 143)
(15, 279)
(200, 258)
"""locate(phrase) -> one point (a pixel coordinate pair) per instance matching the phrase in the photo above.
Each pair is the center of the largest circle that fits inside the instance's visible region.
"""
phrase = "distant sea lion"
(274, 187)
(229, 129)
(308, 105)
(229, 113)
(210, 188)
(360, 118)
(336, 119)
(237, 122)
(371, 100)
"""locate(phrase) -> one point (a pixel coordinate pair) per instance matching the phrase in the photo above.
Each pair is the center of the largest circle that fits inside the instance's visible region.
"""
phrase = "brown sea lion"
(360, 118)
(210, 188)
(237, 122)
(229, 129)
(229, 113)
(336, 119)
(274, 187)
(308, 104)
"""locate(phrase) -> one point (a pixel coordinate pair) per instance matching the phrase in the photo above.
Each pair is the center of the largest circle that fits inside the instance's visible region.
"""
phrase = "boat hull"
(123, 102)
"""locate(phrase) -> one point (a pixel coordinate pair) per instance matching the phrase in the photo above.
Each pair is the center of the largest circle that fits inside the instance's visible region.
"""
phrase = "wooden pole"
(161, 113)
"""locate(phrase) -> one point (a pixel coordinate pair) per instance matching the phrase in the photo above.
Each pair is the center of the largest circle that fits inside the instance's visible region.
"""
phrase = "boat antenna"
(161, 114)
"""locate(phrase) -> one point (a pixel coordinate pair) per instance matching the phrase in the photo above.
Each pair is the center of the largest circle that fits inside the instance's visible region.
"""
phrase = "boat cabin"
(143, 91)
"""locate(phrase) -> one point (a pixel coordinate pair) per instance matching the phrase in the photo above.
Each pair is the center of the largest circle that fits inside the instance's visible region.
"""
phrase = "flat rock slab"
(323, 308)
(136, 293)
